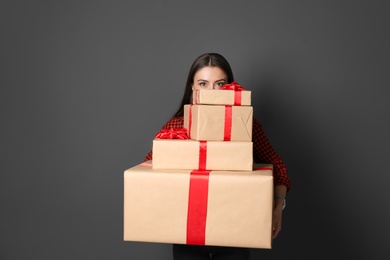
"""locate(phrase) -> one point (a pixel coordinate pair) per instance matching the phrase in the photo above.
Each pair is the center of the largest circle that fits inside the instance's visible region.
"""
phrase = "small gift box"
(220, 208)
(218, 123)
(230, 94)
(202, 155)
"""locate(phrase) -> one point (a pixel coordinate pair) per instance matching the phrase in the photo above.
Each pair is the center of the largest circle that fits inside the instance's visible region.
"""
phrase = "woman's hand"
(277, 218)
(280, 190)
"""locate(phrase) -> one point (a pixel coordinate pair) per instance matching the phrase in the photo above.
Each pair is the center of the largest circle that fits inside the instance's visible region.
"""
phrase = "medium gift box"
(230, 94)
(202, 155)
(218, 123)
(220, 208)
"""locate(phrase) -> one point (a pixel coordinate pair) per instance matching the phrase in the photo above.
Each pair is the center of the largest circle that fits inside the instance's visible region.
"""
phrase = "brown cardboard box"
(238, 207)
(219, 97)
(187, 154)
(209, 122)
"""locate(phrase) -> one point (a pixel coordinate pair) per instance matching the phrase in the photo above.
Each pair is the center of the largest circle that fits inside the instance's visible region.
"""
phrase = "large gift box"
(218, 123)
(230, 94)
(202, 155)
(221, 97)
(221, 208)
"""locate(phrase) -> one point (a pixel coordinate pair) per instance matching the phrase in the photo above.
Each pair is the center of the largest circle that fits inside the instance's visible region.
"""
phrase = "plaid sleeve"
(175, 122)
(263, 152)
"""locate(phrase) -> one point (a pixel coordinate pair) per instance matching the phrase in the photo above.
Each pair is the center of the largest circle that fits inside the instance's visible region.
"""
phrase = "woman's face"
(209, 78)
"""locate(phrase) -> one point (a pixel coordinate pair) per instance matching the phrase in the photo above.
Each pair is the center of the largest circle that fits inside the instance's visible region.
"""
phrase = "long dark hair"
(204, 60)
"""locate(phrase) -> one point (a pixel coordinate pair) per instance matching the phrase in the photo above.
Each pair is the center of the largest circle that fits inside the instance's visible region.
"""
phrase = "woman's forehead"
(210, 73)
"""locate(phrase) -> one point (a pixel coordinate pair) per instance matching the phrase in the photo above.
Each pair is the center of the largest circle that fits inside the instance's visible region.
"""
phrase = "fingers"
(275, 231)
(277, 222)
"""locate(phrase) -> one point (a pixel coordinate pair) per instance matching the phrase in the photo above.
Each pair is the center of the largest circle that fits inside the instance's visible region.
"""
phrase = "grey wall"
(86, 85)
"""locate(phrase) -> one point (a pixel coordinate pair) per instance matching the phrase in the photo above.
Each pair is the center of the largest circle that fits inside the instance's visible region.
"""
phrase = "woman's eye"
(220, 84)
(202, 84)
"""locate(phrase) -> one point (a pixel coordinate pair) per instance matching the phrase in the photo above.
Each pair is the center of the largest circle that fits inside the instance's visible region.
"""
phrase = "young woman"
(212, 71)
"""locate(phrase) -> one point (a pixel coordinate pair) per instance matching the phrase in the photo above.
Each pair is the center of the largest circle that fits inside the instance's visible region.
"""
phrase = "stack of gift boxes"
(201, 187)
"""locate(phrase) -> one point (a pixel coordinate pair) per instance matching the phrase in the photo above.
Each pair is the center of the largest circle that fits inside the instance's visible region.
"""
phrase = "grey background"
(86, 85)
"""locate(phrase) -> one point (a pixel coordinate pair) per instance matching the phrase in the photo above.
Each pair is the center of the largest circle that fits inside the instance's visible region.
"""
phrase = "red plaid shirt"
(263, 152)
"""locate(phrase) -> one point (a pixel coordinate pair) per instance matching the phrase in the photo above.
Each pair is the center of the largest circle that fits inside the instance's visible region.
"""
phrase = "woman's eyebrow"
(208, 81)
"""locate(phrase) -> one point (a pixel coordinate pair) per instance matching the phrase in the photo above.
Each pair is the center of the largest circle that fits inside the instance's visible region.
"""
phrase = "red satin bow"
(232, 86)
(172, 133)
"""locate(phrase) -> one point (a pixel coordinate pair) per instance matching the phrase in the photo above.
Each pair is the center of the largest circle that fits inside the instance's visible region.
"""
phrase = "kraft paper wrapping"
(185, 154)
(208, 122)
(219, 97)
(239, 207)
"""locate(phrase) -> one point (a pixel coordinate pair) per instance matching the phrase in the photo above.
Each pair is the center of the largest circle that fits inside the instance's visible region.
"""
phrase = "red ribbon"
(197, 200)
(228, 124)
(172, 133)
(196, 96)
(232, 86)
(237, 91)
(263, 169)
(197, 207)
(190, 121)
(202, 155)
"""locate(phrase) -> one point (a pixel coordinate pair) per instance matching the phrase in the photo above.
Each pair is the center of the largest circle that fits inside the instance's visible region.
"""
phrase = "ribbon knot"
(237, 91)
(172, 133)
(232, 86)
